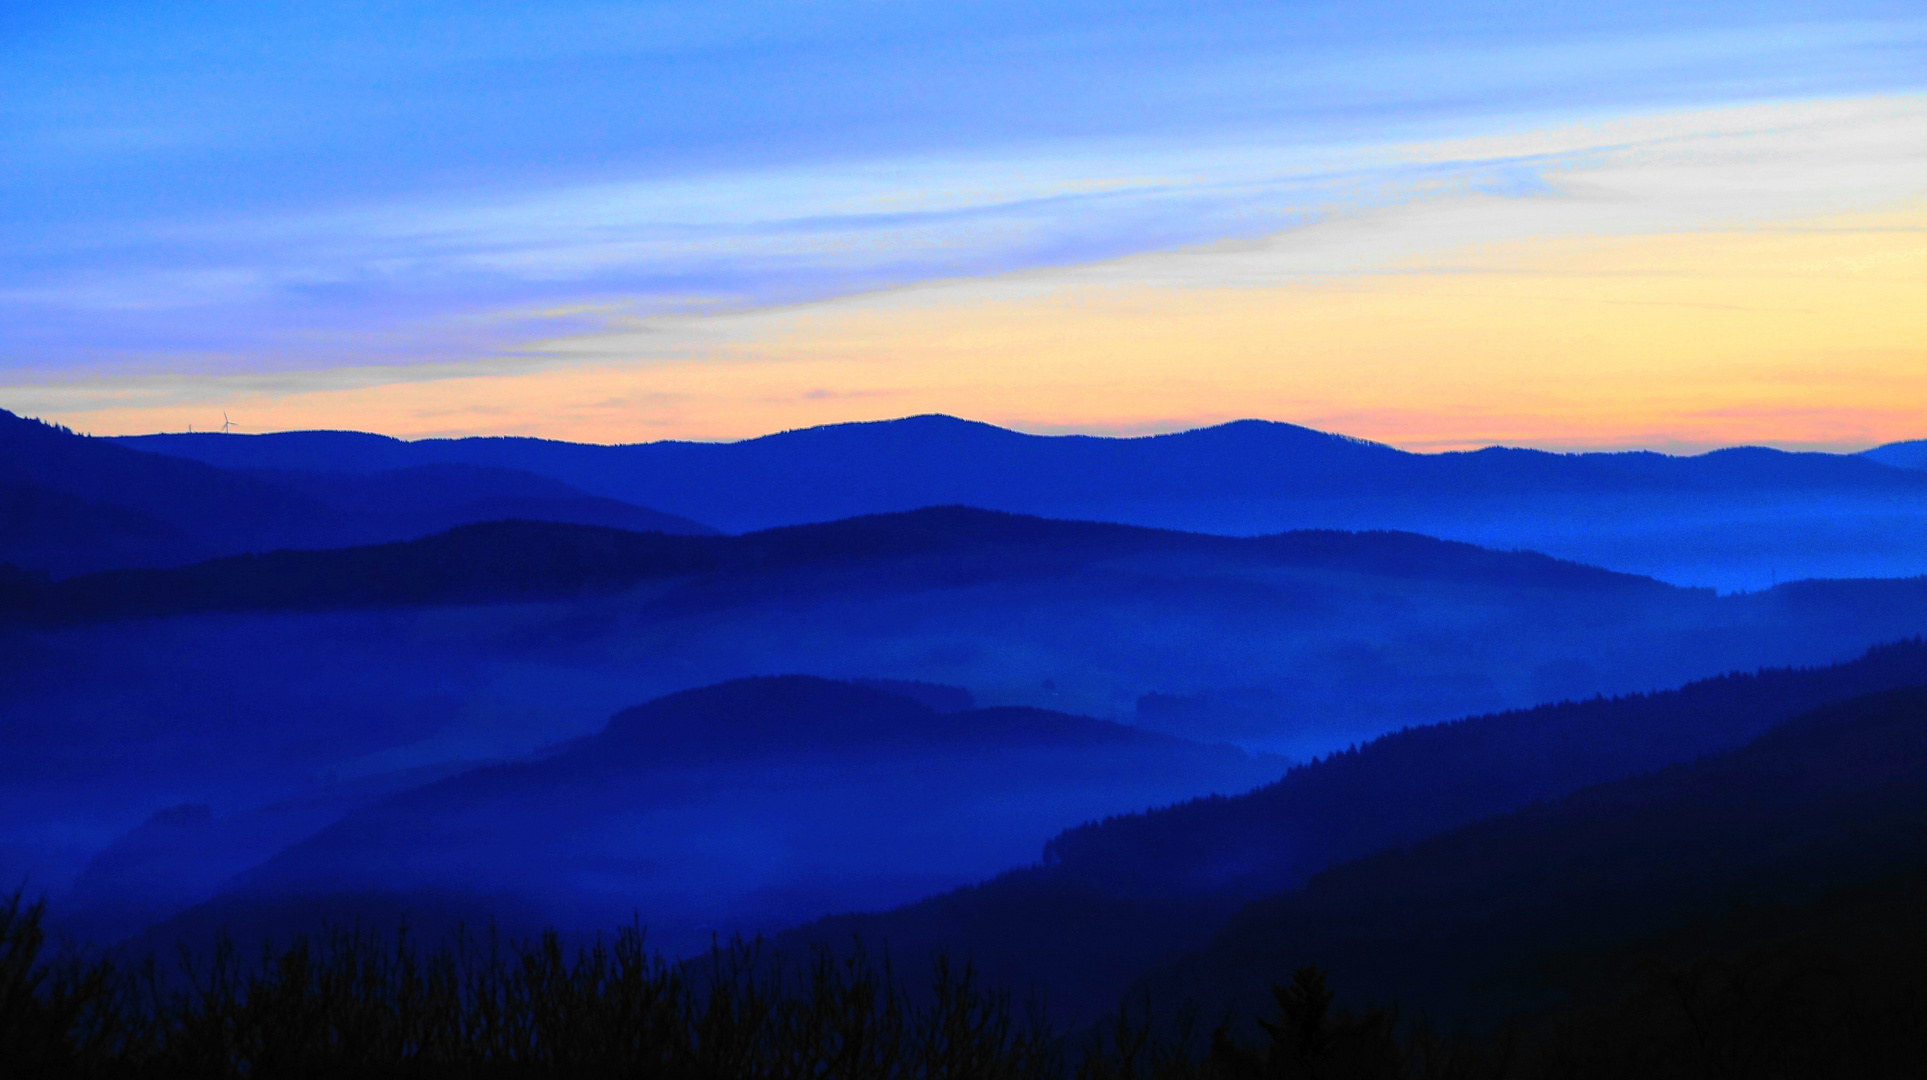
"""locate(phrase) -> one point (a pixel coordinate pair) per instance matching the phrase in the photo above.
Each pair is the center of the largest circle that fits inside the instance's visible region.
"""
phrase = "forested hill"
(522, 560)
(1412, 783)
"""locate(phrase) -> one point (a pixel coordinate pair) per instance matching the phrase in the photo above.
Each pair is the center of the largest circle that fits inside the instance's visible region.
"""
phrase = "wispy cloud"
(442, 199)
(278, 212)
(1678, 280)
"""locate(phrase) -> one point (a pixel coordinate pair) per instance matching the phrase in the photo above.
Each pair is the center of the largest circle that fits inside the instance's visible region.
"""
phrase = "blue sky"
(275, 191)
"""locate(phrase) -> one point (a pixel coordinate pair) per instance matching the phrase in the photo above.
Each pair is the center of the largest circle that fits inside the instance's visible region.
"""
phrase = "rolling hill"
(741, 806)
(313, 682)
(249, 682)
(1111, 899)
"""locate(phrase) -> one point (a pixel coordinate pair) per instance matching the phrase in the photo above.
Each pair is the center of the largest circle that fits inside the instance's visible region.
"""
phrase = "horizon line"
(1666, 448)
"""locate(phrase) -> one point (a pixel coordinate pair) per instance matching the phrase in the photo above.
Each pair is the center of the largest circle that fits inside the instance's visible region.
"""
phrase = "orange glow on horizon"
(1806, 333)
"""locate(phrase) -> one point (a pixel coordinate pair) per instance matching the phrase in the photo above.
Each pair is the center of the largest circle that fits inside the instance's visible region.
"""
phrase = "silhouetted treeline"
(347, 1004)
(1835, 988)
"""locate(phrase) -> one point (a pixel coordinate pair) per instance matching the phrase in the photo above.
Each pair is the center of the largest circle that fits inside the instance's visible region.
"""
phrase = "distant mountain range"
(1901, 455)
(70, 504)
(1743, 518)
(1737, 518)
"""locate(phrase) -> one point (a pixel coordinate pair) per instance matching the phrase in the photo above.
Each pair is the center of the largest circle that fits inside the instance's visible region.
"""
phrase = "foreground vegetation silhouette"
(1829, 989)
(349, 1003)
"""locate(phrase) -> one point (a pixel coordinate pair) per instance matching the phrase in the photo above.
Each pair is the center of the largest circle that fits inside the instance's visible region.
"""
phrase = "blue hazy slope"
(745, 806)
(280, 690)
(1739, 518)
(1112, 898)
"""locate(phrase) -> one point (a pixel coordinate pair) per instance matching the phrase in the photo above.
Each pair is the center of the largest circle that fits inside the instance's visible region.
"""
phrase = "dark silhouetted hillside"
(1042, 543)
(1835, 798)
(1412, 783)
(1112, 897)
(509, 560)
(134, 494)
(64, 534)
(517, 560)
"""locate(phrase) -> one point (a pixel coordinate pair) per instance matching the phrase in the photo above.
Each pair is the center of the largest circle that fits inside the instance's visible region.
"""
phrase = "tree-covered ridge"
(1411, 783)
(520, 560)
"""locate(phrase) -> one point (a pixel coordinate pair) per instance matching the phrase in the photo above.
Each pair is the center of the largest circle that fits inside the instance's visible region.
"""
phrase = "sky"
(1432, 224)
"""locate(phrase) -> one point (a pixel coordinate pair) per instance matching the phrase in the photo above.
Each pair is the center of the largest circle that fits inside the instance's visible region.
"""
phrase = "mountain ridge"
(885, 440)
(1739, 517)
(511, 560)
